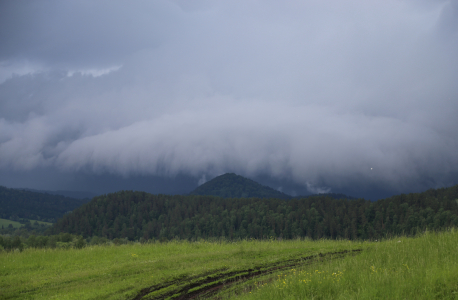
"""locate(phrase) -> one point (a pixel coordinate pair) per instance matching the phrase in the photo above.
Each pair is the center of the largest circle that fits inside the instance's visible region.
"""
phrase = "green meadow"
(5, 223)
(424, 267)
(41, 222)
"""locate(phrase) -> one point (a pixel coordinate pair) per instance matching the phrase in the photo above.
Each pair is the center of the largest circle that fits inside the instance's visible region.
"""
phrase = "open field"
(424, 267)
(41, 222)
(120, 272)
(404, 268)
(5, 223)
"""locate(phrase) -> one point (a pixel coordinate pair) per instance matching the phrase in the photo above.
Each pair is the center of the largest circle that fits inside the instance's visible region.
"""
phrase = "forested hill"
(16, 203)
(86, 196)
(137, 215)
(231, 185)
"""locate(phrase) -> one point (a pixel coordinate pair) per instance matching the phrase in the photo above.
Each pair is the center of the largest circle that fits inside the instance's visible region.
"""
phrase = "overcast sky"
(355, 96)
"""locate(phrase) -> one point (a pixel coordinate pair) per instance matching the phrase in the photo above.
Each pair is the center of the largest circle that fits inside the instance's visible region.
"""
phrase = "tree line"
(62, 240)
(139, 215)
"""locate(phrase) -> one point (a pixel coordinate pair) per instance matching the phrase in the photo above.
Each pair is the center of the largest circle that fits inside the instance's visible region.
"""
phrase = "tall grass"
(425, 267)
(119, 272)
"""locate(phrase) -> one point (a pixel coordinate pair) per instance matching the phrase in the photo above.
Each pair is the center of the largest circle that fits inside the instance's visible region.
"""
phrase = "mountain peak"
(231, 185)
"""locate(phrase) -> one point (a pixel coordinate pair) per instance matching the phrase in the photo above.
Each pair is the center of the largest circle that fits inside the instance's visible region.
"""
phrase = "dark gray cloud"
(319, 95)
(66, 33)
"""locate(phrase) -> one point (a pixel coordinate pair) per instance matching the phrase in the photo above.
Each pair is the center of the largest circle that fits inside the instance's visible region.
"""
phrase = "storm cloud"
(325, 95)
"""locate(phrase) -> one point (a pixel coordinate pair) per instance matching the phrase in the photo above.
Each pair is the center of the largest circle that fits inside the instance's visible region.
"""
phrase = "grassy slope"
(41, 222)
(6, 222)
(414, 268)
(119, 272)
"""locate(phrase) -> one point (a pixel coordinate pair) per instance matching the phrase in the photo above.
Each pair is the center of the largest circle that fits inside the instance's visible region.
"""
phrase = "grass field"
(414, 268)
(120, 272)
(41, 222)
(6, 222)
(404, 268)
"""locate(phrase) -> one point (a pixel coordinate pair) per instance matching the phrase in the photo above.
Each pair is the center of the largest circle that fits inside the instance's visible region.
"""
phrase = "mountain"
(231, 185)
(18, 203)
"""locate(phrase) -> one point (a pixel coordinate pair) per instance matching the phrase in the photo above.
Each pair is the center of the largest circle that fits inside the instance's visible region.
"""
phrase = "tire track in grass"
(210, 283)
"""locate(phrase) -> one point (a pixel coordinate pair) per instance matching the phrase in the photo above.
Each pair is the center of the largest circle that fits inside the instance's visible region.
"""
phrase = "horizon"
(67, 193)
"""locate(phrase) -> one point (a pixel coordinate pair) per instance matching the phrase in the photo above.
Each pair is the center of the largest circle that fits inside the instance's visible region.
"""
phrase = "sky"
(357, 97)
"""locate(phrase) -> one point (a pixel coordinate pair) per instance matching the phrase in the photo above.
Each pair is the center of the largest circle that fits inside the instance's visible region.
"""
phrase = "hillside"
(135, 215)
(231, 185)
(15, 203)
(421, 268)
(87, 196)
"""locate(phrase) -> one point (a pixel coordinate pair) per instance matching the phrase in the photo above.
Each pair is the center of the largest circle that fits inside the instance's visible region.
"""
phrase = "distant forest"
(18, 204)
(231, 185)
(139, 215)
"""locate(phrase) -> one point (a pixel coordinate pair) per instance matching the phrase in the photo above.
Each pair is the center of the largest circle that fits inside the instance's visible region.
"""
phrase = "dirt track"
(208, 284)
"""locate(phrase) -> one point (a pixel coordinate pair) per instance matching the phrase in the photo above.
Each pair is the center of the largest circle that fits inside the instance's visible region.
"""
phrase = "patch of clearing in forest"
(5, 223)
(15, 224)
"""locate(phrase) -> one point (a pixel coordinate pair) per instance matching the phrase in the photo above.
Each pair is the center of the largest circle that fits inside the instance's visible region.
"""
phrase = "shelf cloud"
(326, 95)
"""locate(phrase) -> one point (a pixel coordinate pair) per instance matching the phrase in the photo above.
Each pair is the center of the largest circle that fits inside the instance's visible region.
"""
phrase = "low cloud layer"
(325, 95)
